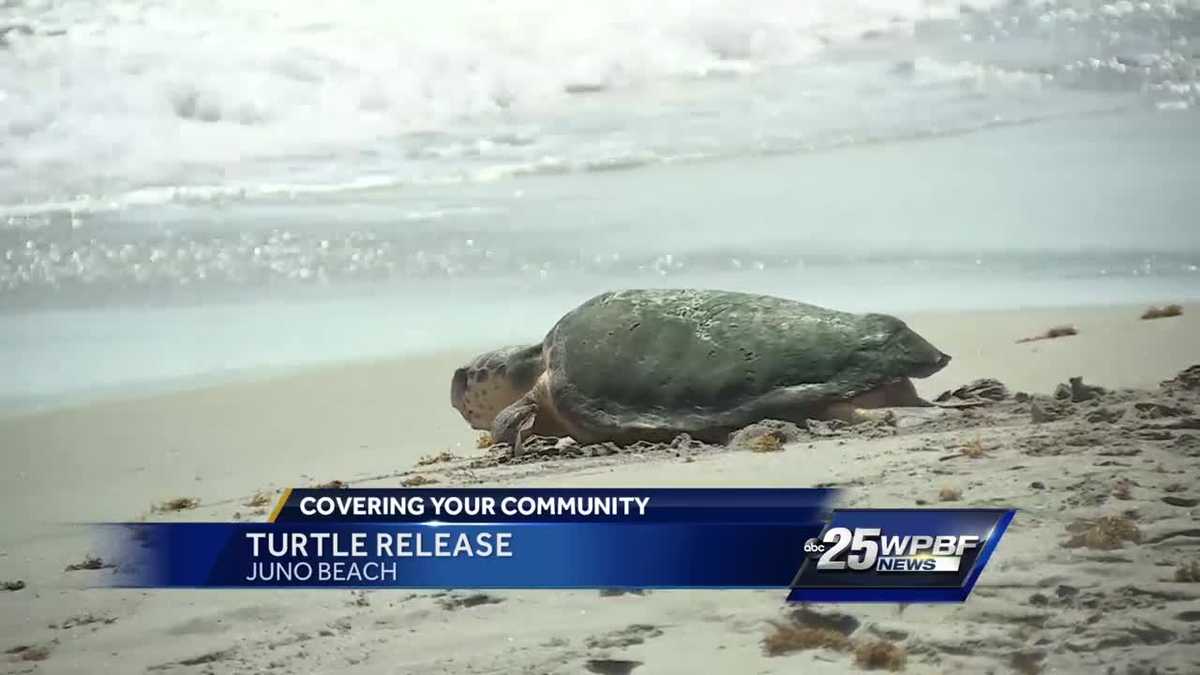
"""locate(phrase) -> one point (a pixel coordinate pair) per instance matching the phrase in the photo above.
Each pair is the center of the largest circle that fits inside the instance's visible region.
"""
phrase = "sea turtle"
(651, 364)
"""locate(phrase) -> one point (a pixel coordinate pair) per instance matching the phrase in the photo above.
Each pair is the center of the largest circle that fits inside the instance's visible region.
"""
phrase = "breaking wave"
(142, 101)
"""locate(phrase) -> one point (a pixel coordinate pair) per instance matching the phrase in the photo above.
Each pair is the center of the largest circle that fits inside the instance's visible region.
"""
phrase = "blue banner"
(551, 538)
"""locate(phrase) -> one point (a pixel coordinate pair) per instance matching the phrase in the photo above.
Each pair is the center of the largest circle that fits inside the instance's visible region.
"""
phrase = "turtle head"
(900, 350)
(493, 381)
(935, 363)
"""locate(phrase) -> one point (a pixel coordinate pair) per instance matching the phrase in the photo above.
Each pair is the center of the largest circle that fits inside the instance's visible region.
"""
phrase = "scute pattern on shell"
(703, 362)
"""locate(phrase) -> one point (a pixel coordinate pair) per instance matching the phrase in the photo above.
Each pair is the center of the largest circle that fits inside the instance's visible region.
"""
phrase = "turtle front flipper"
(532, 414)
(514, 423)
(895, 403)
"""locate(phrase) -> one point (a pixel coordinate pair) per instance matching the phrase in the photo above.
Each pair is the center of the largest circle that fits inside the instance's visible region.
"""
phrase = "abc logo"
(813, 548)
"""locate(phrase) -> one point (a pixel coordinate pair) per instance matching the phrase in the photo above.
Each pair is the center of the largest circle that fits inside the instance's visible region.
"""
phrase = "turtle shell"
(706, 362)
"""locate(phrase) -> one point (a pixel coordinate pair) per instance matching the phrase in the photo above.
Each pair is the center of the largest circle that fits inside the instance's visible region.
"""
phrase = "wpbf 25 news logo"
(899, 555)
(868, 548)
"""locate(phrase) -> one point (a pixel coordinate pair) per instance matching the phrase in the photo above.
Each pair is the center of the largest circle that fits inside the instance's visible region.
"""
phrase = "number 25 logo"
(864, 551)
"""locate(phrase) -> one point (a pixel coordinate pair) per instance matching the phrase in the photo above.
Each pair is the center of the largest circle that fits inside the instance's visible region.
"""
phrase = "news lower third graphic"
(796, 540)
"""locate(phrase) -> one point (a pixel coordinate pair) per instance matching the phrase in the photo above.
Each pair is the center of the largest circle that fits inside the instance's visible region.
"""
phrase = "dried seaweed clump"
(974, 449)
(418, 480)
(91, 562)
(765, 436)
(1122, 489)
(1162, 312)
(1056, 332)
(177, 504)
(30, 652)
(786, 638)
(880, 655)
(260, 499)
(1187, 379)
(1104, 534)
(437, 458)
(1188, 573)
(767, 443)
(949, 494)
(810, 630)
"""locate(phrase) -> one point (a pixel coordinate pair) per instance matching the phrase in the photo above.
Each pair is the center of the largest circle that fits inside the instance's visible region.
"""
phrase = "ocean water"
(205, 188)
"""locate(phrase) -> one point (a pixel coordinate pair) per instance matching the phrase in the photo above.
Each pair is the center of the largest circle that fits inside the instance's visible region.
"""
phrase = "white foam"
(108, 98)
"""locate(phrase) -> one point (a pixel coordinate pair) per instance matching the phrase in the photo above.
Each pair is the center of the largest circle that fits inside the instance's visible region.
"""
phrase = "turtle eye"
(458, 387)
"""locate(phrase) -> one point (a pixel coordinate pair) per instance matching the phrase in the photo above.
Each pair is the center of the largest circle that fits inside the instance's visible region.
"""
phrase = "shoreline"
(109, 459)
(16, 407)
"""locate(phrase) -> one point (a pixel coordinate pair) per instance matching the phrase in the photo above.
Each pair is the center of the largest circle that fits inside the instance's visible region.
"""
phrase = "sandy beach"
(1040, 605)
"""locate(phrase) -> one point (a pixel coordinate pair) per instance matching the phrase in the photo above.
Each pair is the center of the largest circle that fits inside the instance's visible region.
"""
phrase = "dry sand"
(1040, 605)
